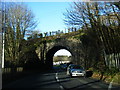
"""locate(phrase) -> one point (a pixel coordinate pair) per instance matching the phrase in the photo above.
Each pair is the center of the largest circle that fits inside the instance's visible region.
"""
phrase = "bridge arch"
(51, 52)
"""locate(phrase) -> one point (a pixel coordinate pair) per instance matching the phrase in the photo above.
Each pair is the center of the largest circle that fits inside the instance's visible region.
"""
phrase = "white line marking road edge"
(110, 85)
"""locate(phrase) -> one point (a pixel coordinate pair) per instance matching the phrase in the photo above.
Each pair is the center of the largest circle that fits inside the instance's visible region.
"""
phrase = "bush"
(112, 71)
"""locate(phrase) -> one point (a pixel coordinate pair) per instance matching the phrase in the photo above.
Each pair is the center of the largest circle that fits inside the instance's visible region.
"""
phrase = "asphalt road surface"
(57, 80)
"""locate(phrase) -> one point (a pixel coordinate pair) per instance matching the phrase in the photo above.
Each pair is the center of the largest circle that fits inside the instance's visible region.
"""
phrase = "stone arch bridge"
(49, 48)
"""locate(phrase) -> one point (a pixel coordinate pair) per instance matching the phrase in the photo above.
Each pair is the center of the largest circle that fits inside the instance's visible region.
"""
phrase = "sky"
(49, 15)
(62, 52)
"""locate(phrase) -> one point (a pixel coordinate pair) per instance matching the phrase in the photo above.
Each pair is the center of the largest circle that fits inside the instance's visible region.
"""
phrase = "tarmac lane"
(57, 80)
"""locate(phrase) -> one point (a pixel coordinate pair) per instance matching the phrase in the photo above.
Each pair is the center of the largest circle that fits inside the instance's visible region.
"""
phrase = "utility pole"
(3, 53)
(3, 34)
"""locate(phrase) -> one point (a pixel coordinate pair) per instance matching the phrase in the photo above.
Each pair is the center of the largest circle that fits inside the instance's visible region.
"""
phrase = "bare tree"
(102, 20)
(19, 19)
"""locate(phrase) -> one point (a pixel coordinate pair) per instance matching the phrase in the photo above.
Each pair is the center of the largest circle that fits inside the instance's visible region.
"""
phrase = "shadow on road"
(49, 82)
(83, 85)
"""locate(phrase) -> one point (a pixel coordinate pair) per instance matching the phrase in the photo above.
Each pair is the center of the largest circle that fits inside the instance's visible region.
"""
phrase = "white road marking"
(57, 77)
(56, 74)
(61, 87)
(110, 85)
(58, 80)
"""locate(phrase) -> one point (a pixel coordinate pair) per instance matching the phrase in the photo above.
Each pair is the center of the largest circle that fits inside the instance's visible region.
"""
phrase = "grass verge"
(108, 78)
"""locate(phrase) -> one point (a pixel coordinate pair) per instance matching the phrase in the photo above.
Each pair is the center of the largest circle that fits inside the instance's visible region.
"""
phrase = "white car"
(75, 70)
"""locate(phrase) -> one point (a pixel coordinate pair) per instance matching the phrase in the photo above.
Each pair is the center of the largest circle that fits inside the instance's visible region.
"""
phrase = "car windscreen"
(77, 67)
